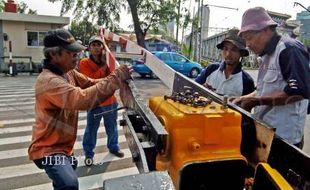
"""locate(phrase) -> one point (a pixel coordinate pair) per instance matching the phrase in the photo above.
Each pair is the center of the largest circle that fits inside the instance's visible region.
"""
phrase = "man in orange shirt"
(60, 91)
(95, 67)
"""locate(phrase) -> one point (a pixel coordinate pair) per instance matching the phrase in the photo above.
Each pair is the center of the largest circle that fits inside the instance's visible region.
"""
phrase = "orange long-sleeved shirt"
(89, 68)
(58, 99)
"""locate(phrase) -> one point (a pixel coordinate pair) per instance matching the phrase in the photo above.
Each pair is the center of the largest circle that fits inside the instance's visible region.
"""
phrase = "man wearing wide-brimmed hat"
(228, 77)
(283, 79)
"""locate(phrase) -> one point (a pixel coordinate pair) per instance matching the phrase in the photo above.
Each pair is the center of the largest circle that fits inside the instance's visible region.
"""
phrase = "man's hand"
(126, 95)
(246, 102)
(130, 69)
(208, 86)
(125, 72)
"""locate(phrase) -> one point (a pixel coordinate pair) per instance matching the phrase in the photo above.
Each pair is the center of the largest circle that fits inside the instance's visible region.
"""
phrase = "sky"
(219, 17)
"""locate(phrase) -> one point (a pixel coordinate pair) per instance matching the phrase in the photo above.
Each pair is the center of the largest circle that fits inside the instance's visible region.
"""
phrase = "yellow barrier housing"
(197, 135)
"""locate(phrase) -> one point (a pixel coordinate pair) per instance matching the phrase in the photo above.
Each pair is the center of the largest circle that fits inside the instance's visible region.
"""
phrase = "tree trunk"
(136, 22)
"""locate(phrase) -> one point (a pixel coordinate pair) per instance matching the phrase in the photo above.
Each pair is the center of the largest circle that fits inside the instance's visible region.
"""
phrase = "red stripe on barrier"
(110, 59)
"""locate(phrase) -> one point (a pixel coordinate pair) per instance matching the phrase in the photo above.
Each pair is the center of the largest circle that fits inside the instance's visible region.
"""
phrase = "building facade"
(304, 18)
(21, 35)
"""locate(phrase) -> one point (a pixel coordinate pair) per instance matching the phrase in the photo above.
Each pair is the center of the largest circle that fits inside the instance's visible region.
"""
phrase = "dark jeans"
(93, 123)
(60, 168)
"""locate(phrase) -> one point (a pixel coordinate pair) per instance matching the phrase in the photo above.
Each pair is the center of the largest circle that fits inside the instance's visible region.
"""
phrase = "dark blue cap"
(62, 38)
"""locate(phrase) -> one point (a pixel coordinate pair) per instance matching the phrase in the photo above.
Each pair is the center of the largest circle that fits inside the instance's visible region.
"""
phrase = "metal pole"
(196, 54)
(191, 37)
(11, 71)
(106, 112)
(201, 26)
(178, 23)
(218, 6)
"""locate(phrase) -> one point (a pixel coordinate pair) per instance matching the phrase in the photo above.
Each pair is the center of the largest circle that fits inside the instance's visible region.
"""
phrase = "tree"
(145, 14)
(83, 30)
(23, 8)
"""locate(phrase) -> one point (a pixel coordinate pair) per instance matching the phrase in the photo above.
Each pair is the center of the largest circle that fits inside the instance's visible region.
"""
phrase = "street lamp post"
(296, 3)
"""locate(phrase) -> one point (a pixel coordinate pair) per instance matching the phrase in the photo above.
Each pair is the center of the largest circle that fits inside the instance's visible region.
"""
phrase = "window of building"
(35, 39)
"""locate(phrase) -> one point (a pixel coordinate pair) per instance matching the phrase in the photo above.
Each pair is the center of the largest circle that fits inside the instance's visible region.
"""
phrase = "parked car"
(176, 61)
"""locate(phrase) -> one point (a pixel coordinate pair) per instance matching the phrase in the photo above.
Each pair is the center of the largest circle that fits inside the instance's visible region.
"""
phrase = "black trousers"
(300, 145)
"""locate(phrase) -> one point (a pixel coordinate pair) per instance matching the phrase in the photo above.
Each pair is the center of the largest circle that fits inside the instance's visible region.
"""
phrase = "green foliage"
(83, 30)
(154, 13)
(195, 21)
(164, 34)
(2, 2)
(24, 9)
(146, 14)
(186, 50)
(187, 20)
(101, 12)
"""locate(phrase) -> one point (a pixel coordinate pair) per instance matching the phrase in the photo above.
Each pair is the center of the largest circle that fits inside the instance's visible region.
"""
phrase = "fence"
(19, 65)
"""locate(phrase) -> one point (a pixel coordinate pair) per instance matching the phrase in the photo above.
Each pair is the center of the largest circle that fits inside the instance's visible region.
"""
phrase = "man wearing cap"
(95, 67)
(283, 78)
(228, 77)
(60, 91)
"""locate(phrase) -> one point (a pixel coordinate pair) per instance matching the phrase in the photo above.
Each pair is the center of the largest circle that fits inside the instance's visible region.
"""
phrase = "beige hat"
(95, 39)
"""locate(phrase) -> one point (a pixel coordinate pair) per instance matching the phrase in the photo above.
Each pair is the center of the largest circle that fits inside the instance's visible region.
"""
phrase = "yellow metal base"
(196, 134)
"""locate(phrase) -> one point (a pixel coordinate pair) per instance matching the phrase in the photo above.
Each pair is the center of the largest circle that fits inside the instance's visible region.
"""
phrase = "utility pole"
(201, 25)
(12, 65)
(200, 36)
(197, 46)
(191, 37)
(178, 22)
